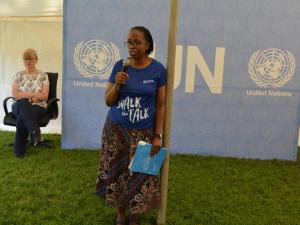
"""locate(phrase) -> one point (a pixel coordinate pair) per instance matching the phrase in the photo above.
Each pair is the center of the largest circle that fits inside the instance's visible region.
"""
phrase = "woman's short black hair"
(148, 37)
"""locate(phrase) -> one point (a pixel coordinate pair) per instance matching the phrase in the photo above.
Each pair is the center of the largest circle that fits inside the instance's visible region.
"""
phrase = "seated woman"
(30, 88)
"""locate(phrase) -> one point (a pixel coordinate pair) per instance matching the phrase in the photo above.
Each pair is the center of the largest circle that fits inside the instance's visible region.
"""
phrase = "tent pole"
(161, 218)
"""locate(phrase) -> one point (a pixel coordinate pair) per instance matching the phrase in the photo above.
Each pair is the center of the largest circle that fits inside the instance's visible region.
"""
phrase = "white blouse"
(32, 83)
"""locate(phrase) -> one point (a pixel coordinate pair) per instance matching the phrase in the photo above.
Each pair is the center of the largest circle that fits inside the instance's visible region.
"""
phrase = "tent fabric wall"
(18, 34)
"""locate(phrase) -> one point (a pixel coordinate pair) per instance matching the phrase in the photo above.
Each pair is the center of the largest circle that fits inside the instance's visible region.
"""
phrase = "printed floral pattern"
(137, 192)
(32, 83)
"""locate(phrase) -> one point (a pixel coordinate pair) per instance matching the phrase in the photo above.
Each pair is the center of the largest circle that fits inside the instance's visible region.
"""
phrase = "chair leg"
(45, 143)
(42, 143)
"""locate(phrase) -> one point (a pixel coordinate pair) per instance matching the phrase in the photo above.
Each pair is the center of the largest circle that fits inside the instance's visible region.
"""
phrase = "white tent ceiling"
(22, 8)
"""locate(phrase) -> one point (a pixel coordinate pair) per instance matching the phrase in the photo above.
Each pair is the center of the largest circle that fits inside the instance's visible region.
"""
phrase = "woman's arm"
(41, 96)
(112, 90)
(160, 110)
(159, 120)
(17, 94)
(111, 94)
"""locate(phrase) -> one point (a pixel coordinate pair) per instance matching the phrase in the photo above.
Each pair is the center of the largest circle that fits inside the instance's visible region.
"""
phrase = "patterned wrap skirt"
(136, 192)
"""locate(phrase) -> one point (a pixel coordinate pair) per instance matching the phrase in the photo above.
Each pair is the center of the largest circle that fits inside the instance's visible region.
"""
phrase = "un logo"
(271, 67)
(95, 58)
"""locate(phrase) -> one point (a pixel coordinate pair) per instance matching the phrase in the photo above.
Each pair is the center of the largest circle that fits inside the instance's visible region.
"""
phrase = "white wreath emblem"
(95, 58)
(271, 67)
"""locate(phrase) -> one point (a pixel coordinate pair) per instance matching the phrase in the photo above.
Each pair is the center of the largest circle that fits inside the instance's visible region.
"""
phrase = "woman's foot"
(133, 220)
(121, 221)
(121, 217)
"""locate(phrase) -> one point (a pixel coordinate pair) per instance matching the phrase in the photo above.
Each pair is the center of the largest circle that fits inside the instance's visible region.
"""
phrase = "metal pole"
(161, 218)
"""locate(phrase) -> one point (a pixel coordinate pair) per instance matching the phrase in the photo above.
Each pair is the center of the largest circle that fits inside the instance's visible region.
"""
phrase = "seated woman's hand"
(35, 100)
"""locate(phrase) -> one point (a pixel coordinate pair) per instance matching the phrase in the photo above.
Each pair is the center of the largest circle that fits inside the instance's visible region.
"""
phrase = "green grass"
(56, 187)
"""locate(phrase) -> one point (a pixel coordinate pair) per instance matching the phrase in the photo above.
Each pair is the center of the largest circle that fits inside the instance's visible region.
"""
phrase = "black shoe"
(20, 156)
(36, 138)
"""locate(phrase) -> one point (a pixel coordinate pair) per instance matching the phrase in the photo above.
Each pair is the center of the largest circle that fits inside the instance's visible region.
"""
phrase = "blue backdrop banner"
(237, 83)
(236, 79)
(94, 32)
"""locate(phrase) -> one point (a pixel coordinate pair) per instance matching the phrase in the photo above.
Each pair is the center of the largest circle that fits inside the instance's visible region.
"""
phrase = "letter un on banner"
(94, 32)
(237, 86)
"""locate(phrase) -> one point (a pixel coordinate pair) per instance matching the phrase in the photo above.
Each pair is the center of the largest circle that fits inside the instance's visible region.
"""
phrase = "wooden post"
(161, 219)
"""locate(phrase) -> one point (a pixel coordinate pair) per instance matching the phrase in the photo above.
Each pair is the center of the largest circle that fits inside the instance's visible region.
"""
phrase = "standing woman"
(30, 88)
(137, 101)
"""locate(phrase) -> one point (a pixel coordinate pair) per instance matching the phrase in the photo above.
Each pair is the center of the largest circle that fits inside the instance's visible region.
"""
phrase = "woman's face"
(137, 44)
(30, 60)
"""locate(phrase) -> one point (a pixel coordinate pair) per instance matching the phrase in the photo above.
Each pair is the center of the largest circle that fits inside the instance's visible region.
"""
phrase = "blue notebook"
(142, 162)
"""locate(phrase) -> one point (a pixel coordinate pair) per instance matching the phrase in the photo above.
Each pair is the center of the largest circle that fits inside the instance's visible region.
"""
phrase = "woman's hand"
(35, 100)
(156, 146)
(121, 78)
(40, 96)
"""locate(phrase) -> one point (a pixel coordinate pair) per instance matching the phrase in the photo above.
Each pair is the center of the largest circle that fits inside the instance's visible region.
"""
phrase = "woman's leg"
(113, 168)
(20, 138)
(27, 122)
(143, 189)
(121, 215)
(23, 110)
(38, 113)
(134, 219)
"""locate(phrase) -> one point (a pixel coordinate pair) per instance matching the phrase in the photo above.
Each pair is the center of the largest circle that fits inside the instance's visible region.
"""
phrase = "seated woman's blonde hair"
(30, 54)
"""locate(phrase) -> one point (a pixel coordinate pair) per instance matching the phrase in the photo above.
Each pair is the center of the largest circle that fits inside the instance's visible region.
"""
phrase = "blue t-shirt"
(137, 98)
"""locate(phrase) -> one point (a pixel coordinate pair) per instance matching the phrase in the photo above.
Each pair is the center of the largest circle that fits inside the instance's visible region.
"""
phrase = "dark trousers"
(27, 116)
